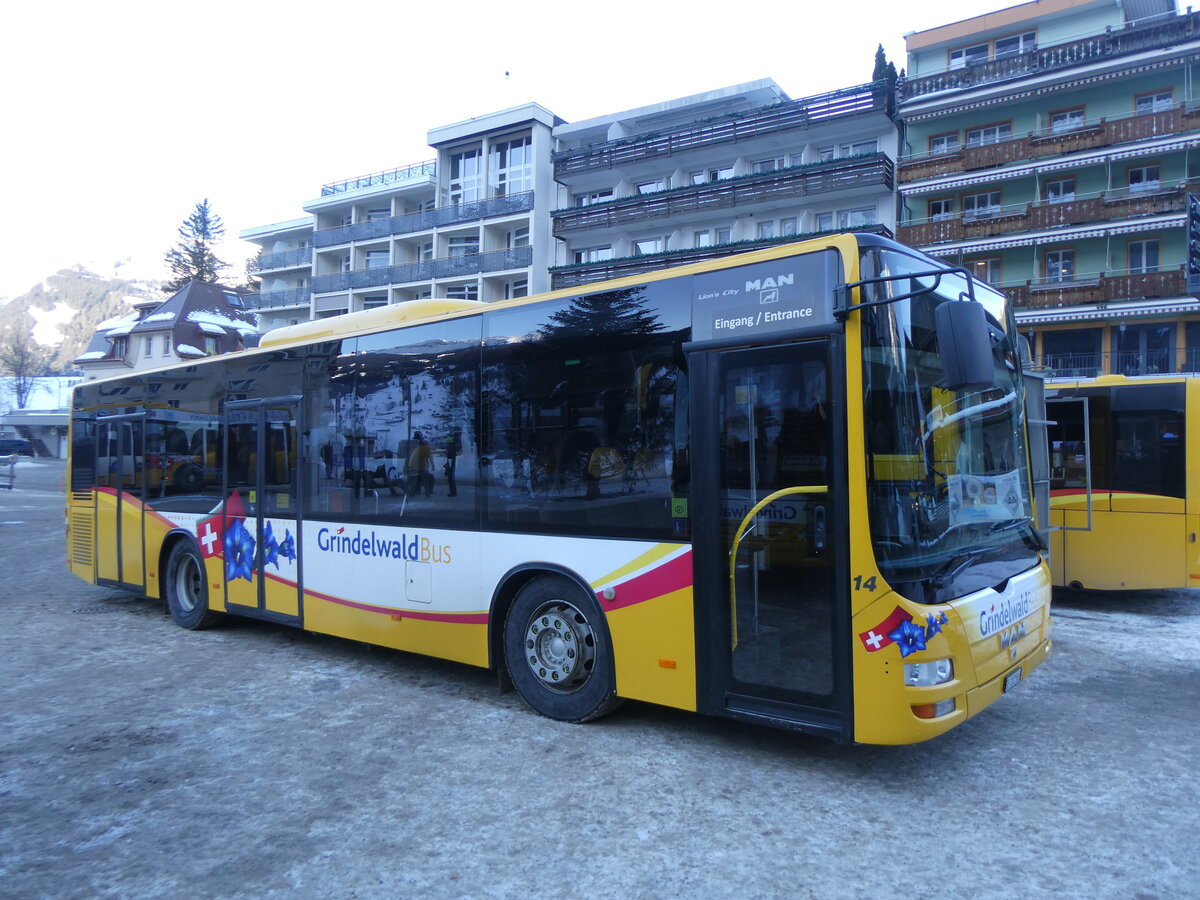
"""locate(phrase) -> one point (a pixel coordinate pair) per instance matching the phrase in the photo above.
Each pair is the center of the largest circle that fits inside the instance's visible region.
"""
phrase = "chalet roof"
(213, 308)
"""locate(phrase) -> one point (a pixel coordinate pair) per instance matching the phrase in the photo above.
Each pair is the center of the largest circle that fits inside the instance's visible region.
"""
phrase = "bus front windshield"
(947, 473)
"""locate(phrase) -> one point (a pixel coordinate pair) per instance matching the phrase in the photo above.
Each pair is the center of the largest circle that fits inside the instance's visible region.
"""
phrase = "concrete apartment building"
(519, 202)
(1051, 147)
(473, 223)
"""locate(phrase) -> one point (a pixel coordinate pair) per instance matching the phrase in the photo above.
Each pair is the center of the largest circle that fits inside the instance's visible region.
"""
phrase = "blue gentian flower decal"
(239, 552)
(909, 637)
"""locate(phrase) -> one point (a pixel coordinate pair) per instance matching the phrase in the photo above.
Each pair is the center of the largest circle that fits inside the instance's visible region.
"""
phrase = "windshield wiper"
(1032, 537)
(955, 564)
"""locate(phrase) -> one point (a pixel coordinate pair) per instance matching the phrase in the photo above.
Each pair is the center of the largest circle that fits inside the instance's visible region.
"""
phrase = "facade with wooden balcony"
(1051, 149)
(718, 173)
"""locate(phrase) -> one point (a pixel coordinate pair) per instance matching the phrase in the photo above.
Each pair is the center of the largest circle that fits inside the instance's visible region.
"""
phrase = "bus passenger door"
(770, 526)
(261, 510)
(120, 547)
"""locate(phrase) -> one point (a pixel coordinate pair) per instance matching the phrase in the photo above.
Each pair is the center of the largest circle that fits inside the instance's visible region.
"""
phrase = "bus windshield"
(950, 504)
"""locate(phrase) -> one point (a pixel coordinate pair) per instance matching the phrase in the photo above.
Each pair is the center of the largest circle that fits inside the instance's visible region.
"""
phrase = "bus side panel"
(410, 630)
(107, 552)
(654, 648)
(1126, 551)
(1192, 537)
(81, 540)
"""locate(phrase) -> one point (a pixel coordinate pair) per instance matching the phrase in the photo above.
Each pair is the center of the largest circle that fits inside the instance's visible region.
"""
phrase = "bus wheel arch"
(185, 585)
(556, 646)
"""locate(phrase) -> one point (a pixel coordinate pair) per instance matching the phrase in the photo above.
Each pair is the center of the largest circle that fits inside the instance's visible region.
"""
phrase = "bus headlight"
(927, 674)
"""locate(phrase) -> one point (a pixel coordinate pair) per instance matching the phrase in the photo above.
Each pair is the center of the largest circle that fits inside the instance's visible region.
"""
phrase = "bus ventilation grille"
(82, 540)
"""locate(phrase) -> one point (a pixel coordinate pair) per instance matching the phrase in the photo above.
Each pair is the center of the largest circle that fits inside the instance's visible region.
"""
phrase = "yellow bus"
(1124, 508)
(788, 487)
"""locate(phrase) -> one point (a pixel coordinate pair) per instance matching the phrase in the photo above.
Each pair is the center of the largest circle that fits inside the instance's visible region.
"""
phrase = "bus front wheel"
(558, 653)
(187, 588)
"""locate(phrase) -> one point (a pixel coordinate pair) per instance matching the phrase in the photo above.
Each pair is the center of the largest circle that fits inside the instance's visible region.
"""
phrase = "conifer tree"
(193, 259)
(883, 69)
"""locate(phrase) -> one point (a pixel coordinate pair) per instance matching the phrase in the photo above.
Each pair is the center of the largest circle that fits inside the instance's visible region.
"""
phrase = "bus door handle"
(818, 528)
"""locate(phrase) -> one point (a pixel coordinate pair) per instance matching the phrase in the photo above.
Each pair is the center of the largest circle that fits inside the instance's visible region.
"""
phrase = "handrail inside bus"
(842, 291)
(741, 532)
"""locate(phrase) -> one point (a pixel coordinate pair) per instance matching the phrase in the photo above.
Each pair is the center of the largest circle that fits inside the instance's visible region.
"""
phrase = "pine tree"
(883, 70)
(193, 259)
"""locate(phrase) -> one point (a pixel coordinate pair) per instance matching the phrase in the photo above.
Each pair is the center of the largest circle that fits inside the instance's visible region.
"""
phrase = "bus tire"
(558, 652)
(186, 588)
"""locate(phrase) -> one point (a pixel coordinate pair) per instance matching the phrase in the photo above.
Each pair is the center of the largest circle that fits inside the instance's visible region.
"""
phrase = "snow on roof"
(212, 328)
(131, 318)
(188, 350)
(207, 317)
(92, 354)
(158, 317)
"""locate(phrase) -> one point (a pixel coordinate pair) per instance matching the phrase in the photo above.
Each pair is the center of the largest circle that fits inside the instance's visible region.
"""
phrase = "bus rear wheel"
(186, 586)
(558, 653)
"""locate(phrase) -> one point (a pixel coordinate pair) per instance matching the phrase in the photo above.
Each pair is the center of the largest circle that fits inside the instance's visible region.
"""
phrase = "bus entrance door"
(778, 521)
(120, 544)
(261, 513)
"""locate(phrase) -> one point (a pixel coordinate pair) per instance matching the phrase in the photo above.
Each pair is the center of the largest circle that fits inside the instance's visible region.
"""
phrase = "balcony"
(425, 270)
(284, 259)
(425, 220)
(1100, 288)
(873, 97)
(390, 176)
(278, 299)
(872, 169)
(1090, 365)
(1106, 206)
(1112, 44)
(582, 274)
(1104, 132)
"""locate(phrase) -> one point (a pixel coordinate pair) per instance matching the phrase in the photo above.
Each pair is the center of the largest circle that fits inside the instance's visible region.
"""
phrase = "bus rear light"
(927, 674)
(933, 710)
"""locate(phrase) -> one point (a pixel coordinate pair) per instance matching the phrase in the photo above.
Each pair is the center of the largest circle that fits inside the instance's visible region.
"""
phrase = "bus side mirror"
(965, 345)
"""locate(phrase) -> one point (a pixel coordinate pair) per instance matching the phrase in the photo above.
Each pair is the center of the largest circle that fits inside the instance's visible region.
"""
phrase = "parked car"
(9, 446)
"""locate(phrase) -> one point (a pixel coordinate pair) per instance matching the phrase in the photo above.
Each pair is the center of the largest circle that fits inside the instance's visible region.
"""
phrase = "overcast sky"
(119, 117)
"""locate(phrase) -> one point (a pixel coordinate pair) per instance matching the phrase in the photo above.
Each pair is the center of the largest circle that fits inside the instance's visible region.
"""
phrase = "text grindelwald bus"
(788, 487)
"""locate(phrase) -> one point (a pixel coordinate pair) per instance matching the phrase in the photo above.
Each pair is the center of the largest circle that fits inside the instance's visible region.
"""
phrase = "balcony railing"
(389, 176)
(874, 96)
(1098, 288)
(283, 259)
(425, 270)
(798, 181)
(276, 299)
(1089, 365)
(1106, 206)
(1113, 43)
(581, 274)
(1105, 132)
(425, 220)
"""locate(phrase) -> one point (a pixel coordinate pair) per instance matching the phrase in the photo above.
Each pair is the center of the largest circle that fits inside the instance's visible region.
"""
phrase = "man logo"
(771, 296)
(768, 288)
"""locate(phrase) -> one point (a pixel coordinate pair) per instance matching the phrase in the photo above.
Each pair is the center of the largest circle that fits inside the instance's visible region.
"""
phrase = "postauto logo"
(414, 547)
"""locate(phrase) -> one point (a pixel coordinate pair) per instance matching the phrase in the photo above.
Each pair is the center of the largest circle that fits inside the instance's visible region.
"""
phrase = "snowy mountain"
(63, 311)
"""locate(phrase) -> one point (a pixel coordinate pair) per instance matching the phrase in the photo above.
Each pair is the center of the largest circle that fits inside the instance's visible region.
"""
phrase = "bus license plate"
(1012, 679)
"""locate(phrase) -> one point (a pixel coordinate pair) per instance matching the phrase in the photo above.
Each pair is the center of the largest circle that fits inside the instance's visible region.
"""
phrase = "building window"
(425, 251)
(860, 148)
(940, 210)
(968, 55)
(517, 288)
(720, 174)
(166, 345)
(825, 221)
(466, 176)
(652, 187)
(379, 212)
(593, 254)
(1017, 43)
(210, 346)
(511, 167)
(377, 259)
(1143, 178)
(463, 292)
(976, 206)
(344, 263)
(1155, 101)
(766, 230)
(989, 134)
(827, 154)
(647, 246)
(724, 235)
(1066, 120)
(1060, 191)
(593, 197)
(702, 238)
(789, 225)
(1060, 265)
(1143, 256)
(374, 302)
(767, 165)
(149, 345)
(943, 143)
(517, 237)
(853, 218)
(463, 246)
(985, 269)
